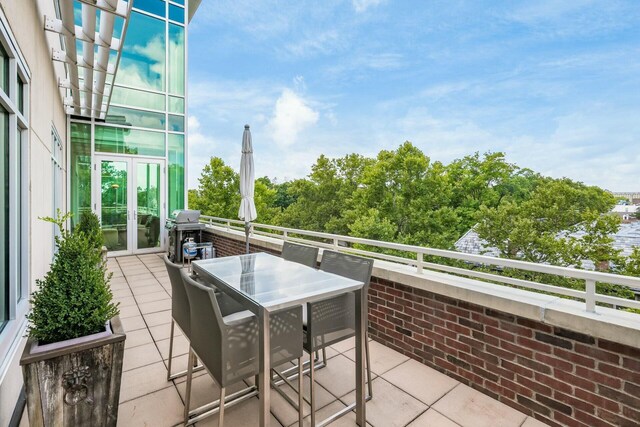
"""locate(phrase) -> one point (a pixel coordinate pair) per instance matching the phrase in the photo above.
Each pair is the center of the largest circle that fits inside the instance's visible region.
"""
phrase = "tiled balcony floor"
(406, 393)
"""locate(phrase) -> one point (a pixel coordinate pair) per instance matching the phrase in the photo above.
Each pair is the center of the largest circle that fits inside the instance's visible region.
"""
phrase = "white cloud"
(362, 5)
(316, 43)
(291, 116)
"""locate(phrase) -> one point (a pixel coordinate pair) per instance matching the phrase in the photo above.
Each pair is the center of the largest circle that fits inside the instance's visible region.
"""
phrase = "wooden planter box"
(77, 385)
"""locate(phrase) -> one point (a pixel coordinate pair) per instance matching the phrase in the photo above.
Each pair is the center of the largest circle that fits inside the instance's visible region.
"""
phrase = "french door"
(129, 197)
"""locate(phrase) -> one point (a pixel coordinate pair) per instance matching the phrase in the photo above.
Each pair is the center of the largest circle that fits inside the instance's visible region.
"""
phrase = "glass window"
(4, 217)
(129, 141)
(176, 123)
(156, 7)
(176, 59)
(176, 13)
(57, 180)
(176, 105)
(178, 1)
(137, 118)
(4, 70)
(20, 95)
(80, 170)
(137, 98)
(176, 172)
(142, 63)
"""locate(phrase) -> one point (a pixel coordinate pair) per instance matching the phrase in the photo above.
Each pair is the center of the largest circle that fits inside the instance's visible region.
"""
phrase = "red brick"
(510, 375)
(632, 364)
(574, 380)
(598, 377)
(534, 324)
(569, 421)
(619, 348)
(500, 353)
(574, 402)
(616, 419)
(488, 339)
(515, 348)
(534, 345)
(486, 321)
(460, 312)
(553, 383)
(587, 350)
(534, 385)
(633, 376)
(500, 390)
(489, 358)
(499, 333)
(597, 400)
(516, 387)
(471, 342)
(554, 362)
(589, 419)
(574, 358)
(516, 329)
(518, 369)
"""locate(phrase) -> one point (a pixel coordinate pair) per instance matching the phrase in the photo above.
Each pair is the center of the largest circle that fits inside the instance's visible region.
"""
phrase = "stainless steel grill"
(182, 224)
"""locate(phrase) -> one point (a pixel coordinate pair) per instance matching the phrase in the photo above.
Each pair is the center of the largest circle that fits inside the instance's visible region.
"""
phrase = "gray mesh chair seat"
(332, 320)
(227, 345)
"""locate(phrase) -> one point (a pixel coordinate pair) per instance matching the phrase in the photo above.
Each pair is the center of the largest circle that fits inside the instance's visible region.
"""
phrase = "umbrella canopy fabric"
(247, 210)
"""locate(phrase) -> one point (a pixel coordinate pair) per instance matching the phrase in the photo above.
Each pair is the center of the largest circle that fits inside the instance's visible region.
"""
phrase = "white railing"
(337, 242)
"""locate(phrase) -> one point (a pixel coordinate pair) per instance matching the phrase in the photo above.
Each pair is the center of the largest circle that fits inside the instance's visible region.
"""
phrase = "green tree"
(538, 229)
(218, 192)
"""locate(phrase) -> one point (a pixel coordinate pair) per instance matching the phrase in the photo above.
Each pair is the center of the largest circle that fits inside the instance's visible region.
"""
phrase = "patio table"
(263, 284)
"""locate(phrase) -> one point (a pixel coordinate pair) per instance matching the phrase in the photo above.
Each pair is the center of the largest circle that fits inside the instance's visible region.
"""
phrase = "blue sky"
(553, 84)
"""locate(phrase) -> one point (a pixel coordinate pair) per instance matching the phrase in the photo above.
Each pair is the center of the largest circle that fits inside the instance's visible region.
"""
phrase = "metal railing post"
(420, 263)
(335, 244)
(590, 298)
(285, 235)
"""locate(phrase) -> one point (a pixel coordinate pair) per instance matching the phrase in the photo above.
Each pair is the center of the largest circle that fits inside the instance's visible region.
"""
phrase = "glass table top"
(271, 281)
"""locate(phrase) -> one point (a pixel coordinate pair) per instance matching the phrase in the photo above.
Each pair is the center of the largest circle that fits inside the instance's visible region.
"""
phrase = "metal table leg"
(360, 337)
(264, 376)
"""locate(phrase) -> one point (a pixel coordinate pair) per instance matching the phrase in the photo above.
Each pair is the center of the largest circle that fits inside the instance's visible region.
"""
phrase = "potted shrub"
(72, 362)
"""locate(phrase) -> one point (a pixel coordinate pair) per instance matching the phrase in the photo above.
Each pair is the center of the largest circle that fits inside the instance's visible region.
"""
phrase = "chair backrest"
(346, 265)
(305, 255)
(179, 301)
(207, 333)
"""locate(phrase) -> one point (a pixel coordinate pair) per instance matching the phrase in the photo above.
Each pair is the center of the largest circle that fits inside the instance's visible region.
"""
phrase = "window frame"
(12, 330)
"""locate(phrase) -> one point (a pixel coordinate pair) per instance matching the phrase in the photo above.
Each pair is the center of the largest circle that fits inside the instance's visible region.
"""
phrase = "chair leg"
(324, 355)
(312, 389)
(221, 413)
(170, 350)
(300, 392)
(187, 396)
(366, 350)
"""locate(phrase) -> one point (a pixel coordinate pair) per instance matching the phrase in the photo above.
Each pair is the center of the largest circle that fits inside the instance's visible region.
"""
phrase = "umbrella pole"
(246, 232)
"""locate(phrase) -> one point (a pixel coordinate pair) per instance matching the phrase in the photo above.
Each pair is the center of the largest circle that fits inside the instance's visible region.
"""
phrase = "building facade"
(87, 123)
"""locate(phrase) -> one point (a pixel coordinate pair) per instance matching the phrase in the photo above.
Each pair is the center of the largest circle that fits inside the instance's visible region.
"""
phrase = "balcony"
(406, 391)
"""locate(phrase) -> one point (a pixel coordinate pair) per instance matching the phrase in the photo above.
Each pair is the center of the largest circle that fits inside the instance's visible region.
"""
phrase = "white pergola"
(90, 96)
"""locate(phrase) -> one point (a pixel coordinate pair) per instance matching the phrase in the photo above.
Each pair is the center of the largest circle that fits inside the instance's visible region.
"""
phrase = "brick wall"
(559, 376)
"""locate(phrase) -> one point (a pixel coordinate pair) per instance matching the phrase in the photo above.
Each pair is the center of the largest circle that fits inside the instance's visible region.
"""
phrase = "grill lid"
(186, 216)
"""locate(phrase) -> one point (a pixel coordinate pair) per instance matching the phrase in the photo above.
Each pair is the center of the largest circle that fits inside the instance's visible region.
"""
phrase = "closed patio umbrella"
(247, 210)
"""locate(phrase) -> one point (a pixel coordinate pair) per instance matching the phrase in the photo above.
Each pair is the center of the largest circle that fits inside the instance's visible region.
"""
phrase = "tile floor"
(406, 393)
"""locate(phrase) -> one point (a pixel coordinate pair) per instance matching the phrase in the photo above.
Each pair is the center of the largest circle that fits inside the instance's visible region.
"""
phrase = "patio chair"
(305, 255)
(180, 312)
(228, 347)
(333, 320)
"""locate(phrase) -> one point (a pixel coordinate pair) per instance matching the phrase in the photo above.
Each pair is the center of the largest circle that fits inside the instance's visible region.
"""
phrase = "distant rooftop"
(625, 239)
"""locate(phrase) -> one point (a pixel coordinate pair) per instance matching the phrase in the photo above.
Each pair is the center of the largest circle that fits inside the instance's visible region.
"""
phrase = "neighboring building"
(627, 212)
(87, 122)
(625, 240)
(632, 197)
